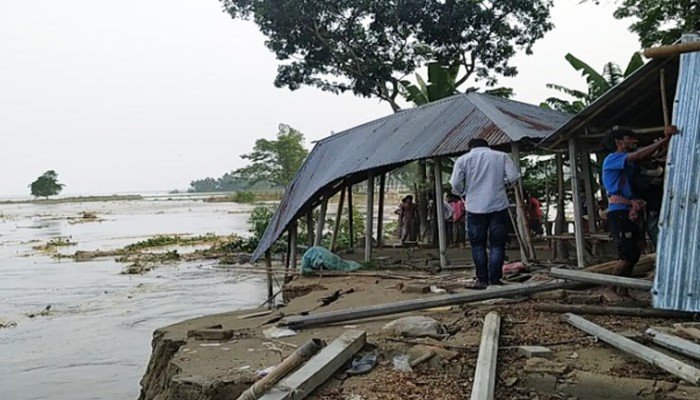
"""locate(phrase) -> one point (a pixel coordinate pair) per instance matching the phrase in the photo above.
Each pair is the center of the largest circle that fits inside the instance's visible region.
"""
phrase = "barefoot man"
(625, 209)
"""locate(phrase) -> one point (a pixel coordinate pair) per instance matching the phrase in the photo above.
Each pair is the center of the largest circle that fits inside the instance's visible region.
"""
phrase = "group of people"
(453, 212)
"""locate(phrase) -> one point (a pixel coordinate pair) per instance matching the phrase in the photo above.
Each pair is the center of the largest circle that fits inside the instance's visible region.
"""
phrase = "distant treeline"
(226, 183)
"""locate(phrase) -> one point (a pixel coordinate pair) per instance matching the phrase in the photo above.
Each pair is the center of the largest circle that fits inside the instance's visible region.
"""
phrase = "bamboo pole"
(380, 210)
(442, 235)
(661, 360)
(664, 101)
(370, 216)
(351, 228)
(575, 191)
(485, 373)
(671, 49)
(338, 216)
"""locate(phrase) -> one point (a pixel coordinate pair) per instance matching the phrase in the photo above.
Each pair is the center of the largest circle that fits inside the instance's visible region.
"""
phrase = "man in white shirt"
(481, 176)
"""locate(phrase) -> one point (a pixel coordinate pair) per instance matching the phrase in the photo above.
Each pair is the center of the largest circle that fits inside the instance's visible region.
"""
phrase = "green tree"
(597, 83)
(275, 161)
(368, 46)
(46, 185)
(660, 21)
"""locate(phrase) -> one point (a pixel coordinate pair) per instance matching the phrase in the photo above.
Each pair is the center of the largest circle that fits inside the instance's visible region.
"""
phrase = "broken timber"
(605, 310)
(485, 374)
(319, 368)
(304, 321)
(675, 343)
(602, 279)
(661, 360)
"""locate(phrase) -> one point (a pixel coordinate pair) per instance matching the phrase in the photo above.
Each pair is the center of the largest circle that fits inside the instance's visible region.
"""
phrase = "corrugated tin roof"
(440, 128)
(677, 281)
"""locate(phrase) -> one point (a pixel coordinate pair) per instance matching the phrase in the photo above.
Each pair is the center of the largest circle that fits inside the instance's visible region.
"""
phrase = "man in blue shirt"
(624, 207)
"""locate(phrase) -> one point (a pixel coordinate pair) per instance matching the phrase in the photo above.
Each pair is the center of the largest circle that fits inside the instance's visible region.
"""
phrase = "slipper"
(476, 285)
(363, 364)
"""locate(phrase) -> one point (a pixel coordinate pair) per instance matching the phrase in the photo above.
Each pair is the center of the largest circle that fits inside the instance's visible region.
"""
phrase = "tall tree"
(597, 83)
(660, 21)
(46, 185)
(368, 46)
(275, 161)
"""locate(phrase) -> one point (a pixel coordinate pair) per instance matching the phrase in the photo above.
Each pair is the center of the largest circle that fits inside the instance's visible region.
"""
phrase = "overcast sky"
(142, 95)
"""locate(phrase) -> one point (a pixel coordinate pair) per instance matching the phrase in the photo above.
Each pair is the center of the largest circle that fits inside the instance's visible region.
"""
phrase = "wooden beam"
(268, 266)
(305, 321)
(521, 219)
(370, 216)
(561, 251)
(485, 374)
(319, 368)
(664, 98)
(575, 191)
(310, 227)
(600, 279)
(338, 216)
(607, 310)
(588, 188)
(442, 235)
(380, 210)
(351, 228)
(675, 343)
(293, 246)
(671, 49)
(661, 360)
(321, 221)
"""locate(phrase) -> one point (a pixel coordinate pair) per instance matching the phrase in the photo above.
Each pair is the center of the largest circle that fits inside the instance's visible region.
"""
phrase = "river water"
(95, 343)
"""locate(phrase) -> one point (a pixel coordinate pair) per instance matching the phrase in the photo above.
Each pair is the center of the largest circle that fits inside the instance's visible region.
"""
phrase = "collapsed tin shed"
(438, 129)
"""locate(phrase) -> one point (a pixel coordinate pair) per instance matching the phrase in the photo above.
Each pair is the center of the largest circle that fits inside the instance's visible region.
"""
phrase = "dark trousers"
(491, 228)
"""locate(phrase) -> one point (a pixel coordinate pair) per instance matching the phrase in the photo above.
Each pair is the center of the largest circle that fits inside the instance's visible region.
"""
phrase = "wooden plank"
(485, 374)
(380, 210)
(338, 216)
(304, 321)
(601, 279)
(675, 343)
(319, 368)
(607, 310)
(370, 217)
(442, 235)
(661, 360)
(575, 191)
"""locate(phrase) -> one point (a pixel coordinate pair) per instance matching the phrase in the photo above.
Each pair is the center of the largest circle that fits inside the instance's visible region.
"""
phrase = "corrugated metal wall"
(677, 282)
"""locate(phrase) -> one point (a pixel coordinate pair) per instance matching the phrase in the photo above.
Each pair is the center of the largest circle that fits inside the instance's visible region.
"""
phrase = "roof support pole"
(442, 235)
(521, 225)
(380, 210)
(588, 187)
(310, 227)
(338, 216)
(560, 250)
(575, 195)
(321, 222)
(370, 217)
(292, 247)
(351, 228)
(268, 267)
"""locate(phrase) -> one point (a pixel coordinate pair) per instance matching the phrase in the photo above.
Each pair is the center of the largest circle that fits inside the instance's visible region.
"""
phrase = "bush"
(244, 197)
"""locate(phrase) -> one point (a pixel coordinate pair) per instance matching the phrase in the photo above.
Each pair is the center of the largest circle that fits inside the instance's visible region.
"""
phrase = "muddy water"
(95, 342)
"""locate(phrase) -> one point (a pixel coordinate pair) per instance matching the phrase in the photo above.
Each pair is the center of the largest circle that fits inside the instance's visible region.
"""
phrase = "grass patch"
(77, 199)
(53, 243)
(165, 240)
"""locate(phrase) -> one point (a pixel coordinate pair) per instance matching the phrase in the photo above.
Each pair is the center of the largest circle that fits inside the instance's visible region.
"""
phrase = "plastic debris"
(277, 332)
(319, 258)
(402, 363)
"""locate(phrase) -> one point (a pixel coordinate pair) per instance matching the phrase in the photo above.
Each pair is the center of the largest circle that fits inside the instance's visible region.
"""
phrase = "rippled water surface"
(96, 341)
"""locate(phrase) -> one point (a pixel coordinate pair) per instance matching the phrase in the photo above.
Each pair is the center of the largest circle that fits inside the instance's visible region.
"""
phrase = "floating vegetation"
(165, 240)
(85, 216)
(53, 243)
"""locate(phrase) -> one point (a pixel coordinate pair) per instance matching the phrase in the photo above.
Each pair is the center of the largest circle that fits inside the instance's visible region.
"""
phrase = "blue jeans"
(491, 227)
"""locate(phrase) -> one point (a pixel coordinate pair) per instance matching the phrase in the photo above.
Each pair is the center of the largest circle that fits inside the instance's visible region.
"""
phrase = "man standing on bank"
(625, 210)
(481, 176)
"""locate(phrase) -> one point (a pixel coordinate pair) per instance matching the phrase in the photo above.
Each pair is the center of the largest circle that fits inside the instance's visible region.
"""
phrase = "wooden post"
(380, 210)
(321, 222)
(310, 227)
(338, 216)
(329, 317)
(522, 225)
(351, 228)
(442, 235)
(370, 216)
(664, 101)
(607, 310)
(675, 343)
(575, 195)
(485, 374)
(561, 250)
(661, 360)
(268, 265)
(293, 247)
(600, 279)
(319, 368)
(591, 205)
